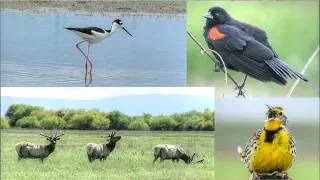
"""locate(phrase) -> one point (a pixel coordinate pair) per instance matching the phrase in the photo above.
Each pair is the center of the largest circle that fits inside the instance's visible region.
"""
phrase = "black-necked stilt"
(94, 35)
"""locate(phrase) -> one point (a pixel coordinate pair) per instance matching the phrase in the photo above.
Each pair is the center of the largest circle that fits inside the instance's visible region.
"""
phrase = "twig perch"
(214, 60)
(303, 71)
(224, 67)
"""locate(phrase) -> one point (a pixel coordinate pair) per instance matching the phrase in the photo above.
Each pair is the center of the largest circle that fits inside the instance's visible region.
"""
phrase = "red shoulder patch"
(215, 34)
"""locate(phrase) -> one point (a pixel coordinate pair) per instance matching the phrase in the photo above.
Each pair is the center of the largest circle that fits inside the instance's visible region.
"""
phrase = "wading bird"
(270, 151)
(94, 35)
(245, 48)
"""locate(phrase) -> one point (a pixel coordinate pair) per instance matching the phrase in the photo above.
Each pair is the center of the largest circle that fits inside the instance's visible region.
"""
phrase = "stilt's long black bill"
(127, 31)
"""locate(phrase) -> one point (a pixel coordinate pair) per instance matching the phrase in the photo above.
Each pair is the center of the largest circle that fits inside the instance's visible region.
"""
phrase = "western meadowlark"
(271, 149)
(277, 112)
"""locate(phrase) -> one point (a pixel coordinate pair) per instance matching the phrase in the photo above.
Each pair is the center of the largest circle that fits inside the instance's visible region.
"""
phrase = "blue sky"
(132, 101)
(247, 110)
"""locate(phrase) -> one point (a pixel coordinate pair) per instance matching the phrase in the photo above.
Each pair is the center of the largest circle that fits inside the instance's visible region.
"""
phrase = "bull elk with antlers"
(30, 150)
(101, 151)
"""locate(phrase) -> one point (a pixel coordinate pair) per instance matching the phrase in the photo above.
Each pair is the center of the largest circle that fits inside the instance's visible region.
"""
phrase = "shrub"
(163, 123)
(52, 122)
(100, 122)
(4, 123)
(139, 125)
(28, 122)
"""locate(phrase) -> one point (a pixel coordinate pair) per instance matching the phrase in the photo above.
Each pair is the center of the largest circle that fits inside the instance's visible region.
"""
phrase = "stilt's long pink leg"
(83, 52)
(90, 72)
(87, 60)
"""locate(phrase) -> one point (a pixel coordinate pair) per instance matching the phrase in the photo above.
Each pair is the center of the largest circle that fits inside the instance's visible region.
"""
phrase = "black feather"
(87, 30)
(245, 48)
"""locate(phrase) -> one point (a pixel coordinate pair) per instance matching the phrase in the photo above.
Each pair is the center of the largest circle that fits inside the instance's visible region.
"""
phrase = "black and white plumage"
(94, 35)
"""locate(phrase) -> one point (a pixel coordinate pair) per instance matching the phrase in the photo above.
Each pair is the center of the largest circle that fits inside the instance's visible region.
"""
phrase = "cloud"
(74, 93)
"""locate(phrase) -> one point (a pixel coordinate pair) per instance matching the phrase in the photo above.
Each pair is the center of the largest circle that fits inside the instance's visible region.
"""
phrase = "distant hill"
(129, 104)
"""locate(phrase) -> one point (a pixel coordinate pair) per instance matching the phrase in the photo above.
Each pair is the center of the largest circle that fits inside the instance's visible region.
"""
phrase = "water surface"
(37, 51)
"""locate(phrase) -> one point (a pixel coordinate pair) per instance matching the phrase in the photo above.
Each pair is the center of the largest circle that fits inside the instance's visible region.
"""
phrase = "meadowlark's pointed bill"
(245, 48)
(277, 112)
(271, 149)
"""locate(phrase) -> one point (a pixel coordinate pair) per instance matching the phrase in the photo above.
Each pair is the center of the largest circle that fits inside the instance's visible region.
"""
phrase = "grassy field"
(292, 28)
(131, 159)
(307, 140)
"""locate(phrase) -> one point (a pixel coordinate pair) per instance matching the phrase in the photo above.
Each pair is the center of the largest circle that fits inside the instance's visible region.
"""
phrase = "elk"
(102, 151)
(29, 150)
(173, 152)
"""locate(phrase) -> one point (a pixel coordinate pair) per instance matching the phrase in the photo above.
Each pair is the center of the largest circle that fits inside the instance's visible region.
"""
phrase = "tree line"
(27, 116)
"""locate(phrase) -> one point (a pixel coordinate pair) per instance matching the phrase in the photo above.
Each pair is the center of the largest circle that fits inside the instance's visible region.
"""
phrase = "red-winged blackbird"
(245, 48)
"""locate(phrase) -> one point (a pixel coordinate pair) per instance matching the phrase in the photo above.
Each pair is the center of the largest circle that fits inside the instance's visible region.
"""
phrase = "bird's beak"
(269, 107)
(208, 15)
(127, 31)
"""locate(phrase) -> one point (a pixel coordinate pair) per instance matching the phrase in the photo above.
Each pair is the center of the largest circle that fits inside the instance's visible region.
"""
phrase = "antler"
(59, 135)
(45, 135)
(113, 132)
(193, 155)
(110, 135)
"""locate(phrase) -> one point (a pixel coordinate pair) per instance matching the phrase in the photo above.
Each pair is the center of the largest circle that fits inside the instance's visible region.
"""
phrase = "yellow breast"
(272, 156)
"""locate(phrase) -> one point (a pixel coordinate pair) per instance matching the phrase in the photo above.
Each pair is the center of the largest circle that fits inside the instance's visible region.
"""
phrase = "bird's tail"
(284, 71)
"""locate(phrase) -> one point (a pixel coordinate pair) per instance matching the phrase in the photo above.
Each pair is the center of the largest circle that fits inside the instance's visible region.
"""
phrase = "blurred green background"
(293, 31)
(234, 126)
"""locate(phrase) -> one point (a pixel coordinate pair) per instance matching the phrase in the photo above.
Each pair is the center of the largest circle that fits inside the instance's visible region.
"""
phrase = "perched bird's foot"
(240, 92)
(240, 88)
(242, 85)
(217, 67)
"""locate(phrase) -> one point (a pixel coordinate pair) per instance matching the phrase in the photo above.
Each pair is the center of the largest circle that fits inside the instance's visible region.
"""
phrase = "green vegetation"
(4, 123)
(293, 31)
(306, 137)
(131, 159)
(26, 116)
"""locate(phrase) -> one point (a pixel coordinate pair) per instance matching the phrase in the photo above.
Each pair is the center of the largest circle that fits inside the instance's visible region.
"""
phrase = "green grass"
(293, 31)
(307, 140)
(131, 159)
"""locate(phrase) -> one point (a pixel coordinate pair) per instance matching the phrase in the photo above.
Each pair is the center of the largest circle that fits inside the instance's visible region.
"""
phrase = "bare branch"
(213, 59)
(224, 66)
(303, 71)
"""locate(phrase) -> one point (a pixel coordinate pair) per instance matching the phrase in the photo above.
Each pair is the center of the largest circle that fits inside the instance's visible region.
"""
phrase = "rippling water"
(37, 51)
